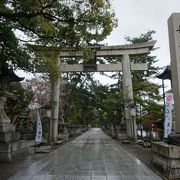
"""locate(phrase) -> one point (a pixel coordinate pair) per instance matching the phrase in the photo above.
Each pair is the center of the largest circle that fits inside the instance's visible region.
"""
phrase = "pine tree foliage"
(146, 93)
(59, 23)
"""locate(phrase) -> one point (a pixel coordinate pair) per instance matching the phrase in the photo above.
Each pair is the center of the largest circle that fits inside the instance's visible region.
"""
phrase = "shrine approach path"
(91, 156)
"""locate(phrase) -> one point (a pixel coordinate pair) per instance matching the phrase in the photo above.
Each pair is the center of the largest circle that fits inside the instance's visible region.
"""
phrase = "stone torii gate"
(126, 66)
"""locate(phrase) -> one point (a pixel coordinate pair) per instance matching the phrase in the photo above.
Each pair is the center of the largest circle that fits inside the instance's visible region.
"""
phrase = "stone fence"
(66, 131)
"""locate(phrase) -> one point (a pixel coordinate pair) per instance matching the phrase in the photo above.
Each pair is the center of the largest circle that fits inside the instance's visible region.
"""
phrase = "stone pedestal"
(174, 139)
(10, 145)
(9, 151)
(166, 159)
(64, 136)
(9, 137)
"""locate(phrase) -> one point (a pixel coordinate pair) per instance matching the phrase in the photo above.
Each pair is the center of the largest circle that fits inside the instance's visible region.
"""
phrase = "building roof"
(166, 74)
(9, 75)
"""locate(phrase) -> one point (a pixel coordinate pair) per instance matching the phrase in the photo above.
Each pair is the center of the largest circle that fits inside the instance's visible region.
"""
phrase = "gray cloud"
(138, 16)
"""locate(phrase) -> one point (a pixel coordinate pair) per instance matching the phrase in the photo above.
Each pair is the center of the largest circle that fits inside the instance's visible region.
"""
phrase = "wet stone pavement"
(91, 156)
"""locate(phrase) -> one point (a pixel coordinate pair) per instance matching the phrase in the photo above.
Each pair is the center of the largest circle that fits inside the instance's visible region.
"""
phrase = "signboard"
(168, 114)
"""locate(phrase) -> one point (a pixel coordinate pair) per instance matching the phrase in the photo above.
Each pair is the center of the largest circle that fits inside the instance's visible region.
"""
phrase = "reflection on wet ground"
(91, 156)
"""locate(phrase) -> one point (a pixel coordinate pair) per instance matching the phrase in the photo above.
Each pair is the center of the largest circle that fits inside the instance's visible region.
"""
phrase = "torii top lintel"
(102, 51)
(117, 50)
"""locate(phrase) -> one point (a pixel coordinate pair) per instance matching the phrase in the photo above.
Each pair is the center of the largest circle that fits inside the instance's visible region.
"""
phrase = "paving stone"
(98, 168)
(139, 177)
(91, 156)
(113, 172)
(67, 177)
(42, 173)
(85, 166)
(98, 173)
(99, 178)
(129, 177)
(84, 173)
(114, 178)
(127, 173)
(20, 178)
(56, 171)
(83, 177)
(47, 177)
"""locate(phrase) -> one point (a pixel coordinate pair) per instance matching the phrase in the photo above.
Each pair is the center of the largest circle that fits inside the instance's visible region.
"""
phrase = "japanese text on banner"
(168, 114)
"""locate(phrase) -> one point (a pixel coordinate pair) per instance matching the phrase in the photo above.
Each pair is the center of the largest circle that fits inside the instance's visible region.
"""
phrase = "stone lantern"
(9, 139)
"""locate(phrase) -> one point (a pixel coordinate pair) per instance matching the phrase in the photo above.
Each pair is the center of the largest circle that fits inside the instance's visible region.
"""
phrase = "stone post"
(55, 104)
(7, 129)
(128, 98)
(174, 40)
(3, 116)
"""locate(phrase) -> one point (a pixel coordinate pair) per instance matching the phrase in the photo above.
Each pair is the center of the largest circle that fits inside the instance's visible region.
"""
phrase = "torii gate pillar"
(55, 93)
(128, 98)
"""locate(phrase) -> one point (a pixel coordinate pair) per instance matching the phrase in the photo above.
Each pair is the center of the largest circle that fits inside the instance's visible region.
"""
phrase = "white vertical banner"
(38, 138)
(168, 114)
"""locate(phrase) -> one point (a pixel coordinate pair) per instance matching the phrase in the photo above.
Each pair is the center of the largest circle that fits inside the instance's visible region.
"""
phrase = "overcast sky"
(136, 17)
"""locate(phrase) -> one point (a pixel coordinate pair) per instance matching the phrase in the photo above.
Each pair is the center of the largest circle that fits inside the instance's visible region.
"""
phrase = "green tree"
(50, 22)
(79, 101)
(146, 93)
(19, 102)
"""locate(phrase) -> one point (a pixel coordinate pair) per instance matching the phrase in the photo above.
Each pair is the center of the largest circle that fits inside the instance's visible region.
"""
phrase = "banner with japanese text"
(168, 114)
(38, 138)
